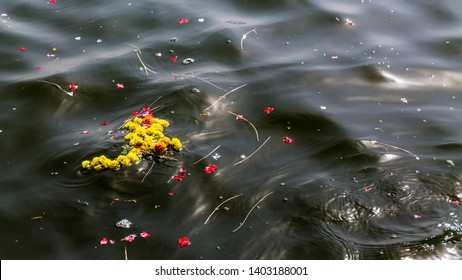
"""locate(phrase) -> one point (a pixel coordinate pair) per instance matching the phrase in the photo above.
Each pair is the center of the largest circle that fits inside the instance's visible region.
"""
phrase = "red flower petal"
(38, 68)
(104, 123)
(182, 170)
(209, 169)
(73, 87)
(456, 201)
(85, 132)
(178, 178)
(184, 242)
(173, 59)
(52, 2)
(288, 140)
(103, 241)
(22, 49)
(239, 117)
(170, 193)
(183, 20)
(120, 86)
(129, 238)
(268, 110)
(144, 234)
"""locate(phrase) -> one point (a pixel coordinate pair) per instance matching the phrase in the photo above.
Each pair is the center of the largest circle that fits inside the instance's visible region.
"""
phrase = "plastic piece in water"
(124, 223)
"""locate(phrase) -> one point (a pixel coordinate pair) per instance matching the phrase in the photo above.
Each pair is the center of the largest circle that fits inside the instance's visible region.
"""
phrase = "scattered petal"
(216, 156)
(159, 54)
(455, 201)
(417, 216)
(404, 100)
(120, 86)
(103, 241)
(78, 38)
(334, 56)
(23, 49)
(52, 2)
(99, 41)
(201, 20)
(173, 59)
(349, 22)
(184, 242)
(239, 117)
(38, 68)
(170, 193)
(85, 132)
(178, 178)
(183, 20)
(268, 110)
(144, 234)
(129, 238)
(112, 241)
(182, 170)
(210, 168)
(288, 140)
(104, 123)
(73, 87)
(49, 55)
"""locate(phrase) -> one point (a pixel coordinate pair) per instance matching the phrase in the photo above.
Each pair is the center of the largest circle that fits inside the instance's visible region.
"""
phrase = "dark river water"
(347, 142)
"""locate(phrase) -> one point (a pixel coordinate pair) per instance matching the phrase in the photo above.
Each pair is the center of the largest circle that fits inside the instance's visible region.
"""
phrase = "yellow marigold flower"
(114, 164)
(140, 131)
(124, 161)
(147, 146)
(177, 144)
(154, 129)
(162, 122)
(131, 126)
(148, 139)
(136, 151)
(165, 140)
(135, 141)
(137, 120)
(133, 157)
(86, 164)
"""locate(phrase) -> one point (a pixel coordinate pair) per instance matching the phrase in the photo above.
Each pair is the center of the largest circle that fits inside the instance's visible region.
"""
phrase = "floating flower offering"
(145, 137)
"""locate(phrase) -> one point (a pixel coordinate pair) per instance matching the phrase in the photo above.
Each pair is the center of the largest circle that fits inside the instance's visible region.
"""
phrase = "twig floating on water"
(218, 207)
(240, 117)
(224, 96)
(239, 162)
(395, 147)
(207, 154)
(126, 254)
(149, 171)
(58, 86)
(145, 68)
(212, 84)
(245, 219)
(245, 36)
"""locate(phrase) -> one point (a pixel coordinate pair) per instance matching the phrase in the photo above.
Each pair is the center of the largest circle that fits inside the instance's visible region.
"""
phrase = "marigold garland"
(145, 137)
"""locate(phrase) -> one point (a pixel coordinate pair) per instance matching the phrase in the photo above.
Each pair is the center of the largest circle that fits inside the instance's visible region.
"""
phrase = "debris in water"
(124, 223)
